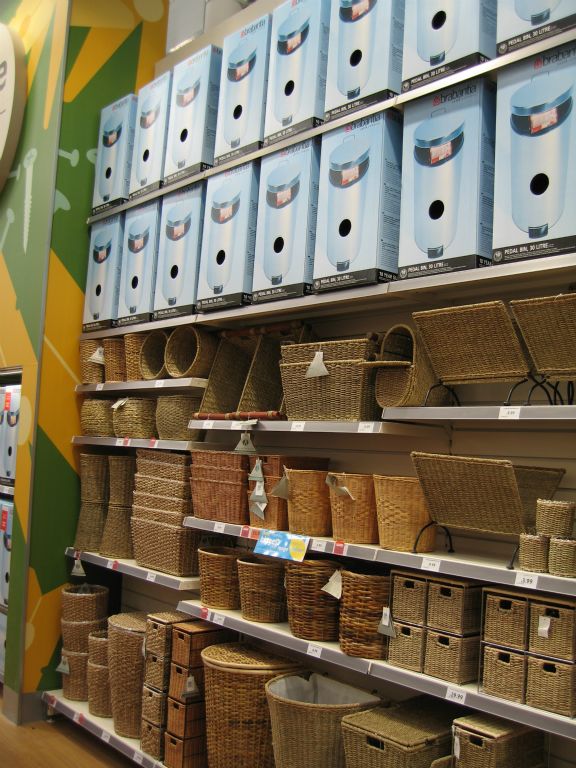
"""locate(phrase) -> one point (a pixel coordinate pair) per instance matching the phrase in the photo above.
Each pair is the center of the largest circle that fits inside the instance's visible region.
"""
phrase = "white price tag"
(457, 747)
(509, 412)
(334, 585)
(98, 356)
(366, 427)
(150, 576)
(239, 425)
(138, 757)
(119, 403)
(77, 717)
(219, 619)
(298, 426)
(110, 565)
(431, 564)
(386, 627)
(64, 666)
(544, 626)
(99, 387)
(526, 580)
(207, 424)
(318, 545)
(314, 650)
(158, 383)
(219, 527)
(191, 686)
(456, 695)
(77, 569)
(105, 736)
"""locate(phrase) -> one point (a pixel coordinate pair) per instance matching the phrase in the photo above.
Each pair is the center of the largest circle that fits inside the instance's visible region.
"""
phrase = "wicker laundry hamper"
(312, 613)
(121, 472)
(85, 602)
(136, 418)
(75, 682)
(90, 527)
(117, 536)
(126, 663)
(90, 372)
(114, 359)
(308, 502)
(402, 513)
(363, 597)
(189, 352)
(354, 517)
(94, 477)
(262, 593)
(96, 417)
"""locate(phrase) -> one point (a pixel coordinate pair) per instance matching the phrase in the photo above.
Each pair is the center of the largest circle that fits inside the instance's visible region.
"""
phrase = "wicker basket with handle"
(504, 674)
(451, 657)
(551, 685)
(485, 741)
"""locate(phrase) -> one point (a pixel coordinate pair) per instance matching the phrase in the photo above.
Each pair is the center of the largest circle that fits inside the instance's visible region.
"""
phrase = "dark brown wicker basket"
(312, 613)
(114, 359)
(363, 597)
(262, 594)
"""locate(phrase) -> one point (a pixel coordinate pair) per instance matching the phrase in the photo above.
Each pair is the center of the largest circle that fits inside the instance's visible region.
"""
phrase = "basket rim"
(311, 705)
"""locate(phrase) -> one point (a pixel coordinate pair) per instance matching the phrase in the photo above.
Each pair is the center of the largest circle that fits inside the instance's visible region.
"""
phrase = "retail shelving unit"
(144, 387)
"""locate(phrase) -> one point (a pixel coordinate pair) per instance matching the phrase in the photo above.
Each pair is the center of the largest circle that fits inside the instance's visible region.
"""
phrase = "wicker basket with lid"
(126, 665)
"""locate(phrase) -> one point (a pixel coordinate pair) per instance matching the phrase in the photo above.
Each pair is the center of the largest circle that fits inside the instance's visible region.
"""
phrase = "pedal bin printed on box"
(356, 40)
(437, 29)
(239, 87)
(138, 256)
(223, 231)
(101, 251)
(281, 215)
(149, 140)
(541, 123)
(438, 145)
(186, 101)
(178, 224)
(535, 11)
(11, 445)
(111, 134)
(291, 48)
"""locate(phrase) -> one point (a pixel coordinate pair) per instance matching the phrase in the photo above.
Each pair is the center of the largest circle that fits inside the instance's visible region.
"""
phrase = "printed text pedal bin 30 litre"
(282, 188)
(291, 47)
(356, 33)
(437, 29)
(224, 215)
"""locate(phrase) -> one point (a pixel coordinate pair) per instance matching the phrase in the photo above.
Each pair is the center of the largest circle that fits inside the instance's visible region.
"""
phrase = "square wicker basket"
(454, 606)
(505, 619)
(504, 674)
(485, 741)
(408, 648)
(409, 598)
(451, 657)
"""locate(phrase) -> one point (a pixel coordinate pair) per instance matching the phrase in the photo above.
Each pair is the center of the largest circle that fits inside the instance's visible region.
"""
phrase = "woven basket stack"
(552, 547)
(126, 664)
(94, 489)
(116, 538)
(99, 702)
(219, 481)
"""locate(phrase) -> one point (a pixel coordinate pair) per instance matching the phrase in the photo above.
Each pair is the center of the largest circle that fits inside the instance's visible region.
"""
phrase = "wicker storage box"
(151, 361)
(485, 741)
(409, 598)
(402, 513)
(116, 538)
(552, 630)
(181, 507)
(86, 602)
(262, 593)
(157, 486)
(410, 735)
(363, 597)
(186, 720)
(165, 548)
(220, 500)
(96, 417)
(408, 647)
(359, 348)
(308, 503)
(173, 458)
(312, 613)
(562, 558)
(180, 677)
(75, 683)
(157, 672)
(555, 518)
(451, 657)
(94, 477)
(306, 711)
(90, 527)
(220, 459)
(184, 753)
(219, 586)
(126, 664)
(121, 470)
(551, 685)
(353, 518)
(114, 359)
(504, 674)
(75, 633)
(136, 418)
(505, 619)
(173, 412)
(154, 706)
(99, 702)
(174, 519)
(274, 464)
(191, 637)
(275, 515)
(159, 628)
(98, 648)
(218, 474)
(533, 553)
(132, 346)
(90, 372)
(236, 704)
(152, 740)
(190, 351)
(152, 468)
(454, 606)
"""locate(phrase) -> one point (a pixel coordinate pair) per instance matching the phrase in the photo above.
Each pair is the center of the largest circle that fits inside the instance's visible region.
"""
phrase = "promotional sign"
(12, 97)
(286, 546)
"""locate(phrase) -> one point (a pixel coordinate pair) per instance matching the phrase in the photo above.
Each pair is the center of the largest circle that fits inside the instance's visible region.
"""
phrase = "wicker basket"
(555, 518)
(116, 537)
(190, 351)
(262, 389)
(98, 648)
(227, 376)
(186, 720)
(173, 412)
(114, 359)
(276, 512)
(451, 657)
(75, 683)
(175, 519)
(353, 519)
(87, 602)
(312, 613)
(173, 458)
(152, 356)
(93, 477)
(122, 469)
(408, 647)
(166, 504)
(551, 685)
(552, 630)
(363, 597)
(409, 598)
(90, 372)
(359, 348)
(157, 672)
(90, 526)
(504, 674)
(136, 418)
(159, 633)
(402, 513)
(179, 677)
(180, 472)
(308, 503)
(220, 500)
(562, 558)
(262, 594)
(235, 676)
(219, 586)
(454, 606)
(96, 417)
(126, 664)
(217, 474)
(273, 464)
(485, 741)
(158, 486)
(152, 740)
(219, 459)
(506, 620)
(306, 711)
(75, 633)
(533, 553)
(132, 346)
(99, 702)
(154, 705)
(165, 548)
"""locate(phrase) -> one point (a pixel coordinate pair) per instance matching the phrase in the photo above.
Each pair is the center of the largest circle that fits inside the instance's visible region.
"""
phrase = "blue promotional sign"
(287, 546)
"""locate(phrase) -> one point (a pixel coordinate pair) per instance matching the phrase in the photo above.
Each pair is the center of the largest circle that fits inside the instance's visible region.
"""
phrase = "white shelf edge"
(392, 428)
(101, 727)
(131, 442)
(280, 635)
(504, 415)
(438, 562)
(144, 386)
(130, 568)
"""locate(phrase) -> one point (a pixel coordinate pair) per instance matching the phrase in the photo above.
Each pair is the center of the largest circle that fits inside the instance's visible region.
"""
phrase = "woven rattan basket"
(75, 633)
(533, 553)
(454, 606)
(99, 702)
(409, 598)
(117, 537)
(219, 586)
(558, 639)
(90, 526)
(98, 648)
(363, 597)
(152, 740)
(312, 613)
(87, 602)
(219, 459)
(402, 513)
(451, 658)
(504, 674)
(114, 359)
(157, 672)
(235, 676)
(275, 515)
(122, 469)
(555, 518)
(152, 351)
(75, 683)
(165, 548)
(136, 418)
(173, 412)
(408, 647)
(175, 519)
(359, 348)
(562, 558)
(163, 457)
(96, 417)
(158, 486)
(153, 706)
(220, 500)
(227, 376)
(353, 516)
(150, 468)
(506, 620)
(126, 665)
(485, 741)
(190, 351)
(93, 477)
(90, 372)
(170, 504)
(262, 594)
(551, 685)
(262, 389)
(306, 712)
(308, 503)
(159, 633)
(132, 345)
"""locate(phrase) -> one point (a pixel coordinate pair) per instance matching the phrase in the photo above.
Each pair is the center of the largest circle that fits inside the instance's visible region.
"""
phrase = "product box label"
(103, 275)
(114, 154)
(150, 136)
(522, 23)
(139, 257)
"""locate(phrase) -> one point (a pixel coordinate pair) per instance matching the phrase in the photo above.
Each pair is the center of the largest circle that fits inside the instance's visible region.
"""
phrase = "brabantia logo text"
(252, 27)
(366, 121)
(454, 94)
(563, 54)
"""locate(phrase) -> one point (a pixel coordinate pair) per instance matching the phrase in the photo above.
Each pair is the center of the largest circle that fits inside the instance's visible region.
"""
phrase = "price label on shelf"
(208, 424)
(138, 757)
(509, 412)
(431, 564)
(318, 545)
(298, 426)
(245, 532)
(241, 426)
(340, 548)
(78, 718)
(526, 580)
(105, 736)
(99, 387)
(205, 614)
(150, 576)
(314, 650)
(456, 695)
(123, 442)
(219, 619)
(159, 383)
(366, 427)
(219, 527)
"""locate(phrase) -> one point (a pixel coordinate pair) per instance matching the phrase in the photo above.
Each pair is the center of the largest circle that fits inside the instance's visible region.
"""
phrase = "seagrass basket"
(221, 500)
(506, 620)
(402, 512)
(114, 359)
(228, 376)
(551, 685)
(359, 348)
(558, 640)
(153, 706)
(163, 457)
(171, 504)
(219, 460)
(408, 647)
(96, 417)
(165, 548)
(132, 346)
(262, 593)
(126, 665)
(190, 351)
(555, 518)
(121, 472)
(159, 633)
(151, 360)
(363, 597)
(151, 468)
(99, 702)
(312, 613)
(136, 418)
(262, 389)
(562, 558)
(504, 674)
(90, 372)
(485, 741)
(116, 537)
(451, 657)
(199, 472)
(354, 517)
(93, 477)
(85, 602)
(90, 526)
(533, 553)
(173, 412)
(175, 519)
(219, 586)
(275, 515)
(98, 647)
(75, 633)
(152, 740)
(306, 712)
(157, 672)
(235, 676)
(454, 606)
(75, 683)
(308, 502)
(409, 598)
(157, 486)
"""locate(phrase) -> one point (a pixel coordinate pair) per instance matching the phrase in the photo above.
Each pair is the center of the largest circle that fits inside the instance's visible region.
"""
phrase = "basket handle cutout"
(406, 631)
(179, 670)
(505, 605)
(549, 667)
(552, 612)
(504, 657)
(409, 585)
(445, 591)
(444, 641)
(375, 743)
(477, 741)
(173, 741)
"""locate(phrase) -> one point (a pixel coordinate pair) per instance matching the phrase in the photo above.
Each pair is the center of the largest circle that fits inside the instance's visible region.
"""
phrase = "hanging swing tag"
(245, 444)
(256, 473)
(339, 490)
(281, 490)
(119, 403)
(77, 569)
(64, 666)
(317, 367)
(259, 494)
(191, 686)
(98, 356)
(257, 508)
(334, 585)
(386, 627)
(544, 626)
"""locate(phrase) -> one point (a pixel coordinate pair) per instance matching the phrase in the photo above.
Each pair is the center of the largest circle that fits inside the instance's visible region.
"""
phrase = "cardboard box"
(287, 214)
(6, 520)
(193, 113)
(522, 22)
(298, 61)
(103, 277)
(9, 436)
(179, 247)
(139, 255)
(535, 191)
(359, 203)
(229, 238)
(114, 157)
(364, 55)
(447, 180)
(243, 86)
(151, 135)
(442, 37)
